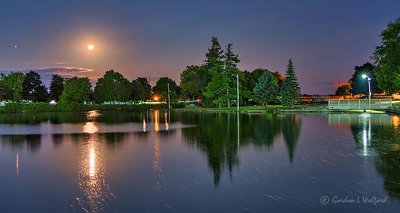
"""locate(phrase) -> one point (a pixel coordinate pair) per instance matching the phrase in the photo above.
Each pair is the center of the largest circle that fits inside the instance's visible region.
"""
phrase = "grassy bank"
(249, 109)
(46, 107)
(302, 108)
(70, 107)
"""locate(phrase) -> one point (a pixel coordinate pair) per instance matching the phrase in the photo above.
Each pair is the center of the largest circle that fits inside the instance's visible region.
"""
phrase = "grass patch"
(268, 108)
(14, 107)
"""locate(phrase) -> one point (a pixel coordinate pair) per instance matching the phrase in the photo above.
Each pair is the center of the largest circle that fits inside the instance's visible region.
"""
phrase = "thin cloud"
(68, 72)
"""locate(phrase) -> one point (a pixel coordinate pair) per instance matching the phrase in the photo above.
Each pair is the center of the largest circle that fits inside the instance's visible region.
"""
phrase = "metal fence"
(362, 104)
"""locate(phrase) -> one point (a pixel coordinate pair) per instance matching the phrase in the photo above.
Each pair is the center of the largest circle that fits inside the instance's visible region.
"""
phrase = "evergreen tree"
(230, 71)
(267, 89)
(223, 69)
(33, 88)
(215, 55)
(215, 65)
(290, 90)
(231, 60)
(56, 87)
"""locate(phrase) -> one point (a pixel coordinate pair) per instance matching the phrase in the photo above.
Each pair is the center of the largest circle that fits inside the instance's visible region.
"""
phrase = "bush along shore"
(18, 107)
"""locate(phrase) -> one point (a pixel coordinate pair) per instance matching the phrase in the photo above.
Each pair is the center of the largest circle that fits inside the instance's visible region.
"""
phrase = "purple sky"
(325, 39)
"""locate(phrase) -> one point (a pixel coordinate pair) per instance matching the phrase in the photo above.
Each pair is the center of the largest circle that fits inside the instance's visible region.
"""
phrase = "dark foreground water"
(153, 161)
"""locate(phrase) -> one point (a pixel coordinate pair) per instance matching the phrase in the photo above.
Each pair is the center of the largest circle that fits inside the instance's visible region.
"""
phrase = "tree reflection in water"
(221, 135)
(387, 144)
(378, 136)
(31, 142)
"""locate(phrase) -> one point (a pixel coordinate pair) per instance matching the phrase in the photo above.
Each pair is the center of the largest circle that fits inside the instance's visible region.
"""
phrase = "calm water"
(155, 161)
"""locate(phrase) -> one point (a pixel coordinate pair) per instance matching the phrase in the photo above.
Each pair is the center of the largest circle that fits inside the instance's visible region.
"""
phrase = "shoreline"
(392, 111)
(280, 109)
(45, 107)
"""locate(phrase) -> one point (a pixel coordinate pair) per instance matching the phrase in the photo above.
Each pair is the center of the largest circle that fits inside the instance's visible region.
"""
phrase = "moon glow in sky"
(90, 47)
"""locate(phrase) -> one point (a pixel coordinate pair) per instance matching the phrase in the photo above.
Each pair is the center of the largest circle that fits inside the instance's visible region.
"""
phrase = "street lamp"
(237, 91)
(169, 98)
(369, 85)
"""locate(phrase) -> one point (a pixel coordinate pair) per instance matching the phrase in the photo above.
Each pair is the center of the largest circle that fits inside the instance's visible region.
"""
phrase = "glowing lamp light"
(155, 98)
(364, 76)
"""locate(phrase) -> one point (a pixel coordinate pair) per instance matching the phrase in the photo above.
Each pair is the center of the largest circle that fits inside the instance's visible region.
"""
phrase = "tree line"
(112, 87)
(214, 82)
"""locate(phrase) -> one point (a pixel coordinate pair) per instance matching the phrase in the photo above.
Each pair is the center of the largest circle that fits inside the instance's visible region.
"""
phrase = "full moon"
(90, 47)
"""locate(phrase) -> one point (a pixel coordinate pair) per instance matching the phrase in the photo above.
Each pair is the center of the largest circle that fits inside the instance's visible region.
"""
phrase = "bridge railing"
(360, 104)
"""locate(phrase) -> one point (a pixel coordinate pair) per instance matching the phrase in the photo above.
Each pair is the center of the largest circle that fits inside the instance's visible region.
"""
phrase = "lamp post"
(369, 85)
(169, 99)
(237, 91)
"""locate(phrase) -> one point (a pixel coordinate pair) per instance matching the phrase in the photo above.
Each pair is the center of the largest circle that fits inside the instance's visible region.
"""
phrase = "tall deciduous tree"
(161, 89)
(14, 82)
(387, 59)
(290, 90)
(359, 85)
(5, 92)
(78, 90)
(267, 89)
(141, 89)
(194, 81)
(33, 89)
(112, 87)
(56, 87)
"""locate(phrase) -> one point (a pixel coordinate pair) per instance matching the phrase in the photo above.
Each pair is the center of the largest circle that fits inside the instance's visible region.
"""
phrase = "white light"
(92, 162)
(90, 47)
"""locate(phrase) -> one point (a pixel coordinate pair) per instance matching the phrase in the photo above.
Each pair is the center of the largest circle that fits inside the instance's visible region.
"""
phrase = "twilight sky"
(325, 38)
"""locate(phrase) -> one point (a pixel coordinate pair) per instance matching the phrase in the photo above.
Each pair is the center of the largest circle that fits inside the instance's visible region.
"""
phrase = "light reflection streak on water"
(156, 147)
(166, 121)
(395, 121)
(156, 155)
(95, 192)
(156, 120)
(144, 125)
(92, 114)
(92, 165)
(17, 164)
(159, 185)
(238, 130)
(90, 128)
(366, 132)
